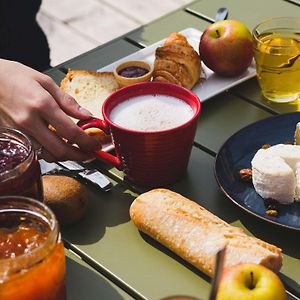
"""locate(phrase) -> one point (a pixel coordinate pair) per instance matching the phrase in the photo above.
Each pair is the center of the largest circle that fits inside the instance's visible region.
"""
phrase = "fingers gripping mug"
(152, 125)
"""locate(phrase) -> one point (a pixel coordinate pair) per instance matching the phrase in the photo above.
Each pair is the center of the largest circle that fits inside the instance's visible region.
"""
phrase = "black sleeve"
(21, 38)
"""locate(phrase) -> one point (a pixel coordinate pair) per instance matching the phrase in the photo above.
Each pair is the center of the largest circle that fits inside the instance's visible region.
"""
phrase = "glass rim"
(29, 148)
(41, 211)
(263, 22)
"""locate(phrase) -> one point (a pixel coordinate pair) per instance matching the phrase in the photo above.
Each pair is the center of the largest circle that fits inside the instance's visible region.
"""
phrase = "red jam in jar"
(133, 72)
(20, 172)
(32, 261)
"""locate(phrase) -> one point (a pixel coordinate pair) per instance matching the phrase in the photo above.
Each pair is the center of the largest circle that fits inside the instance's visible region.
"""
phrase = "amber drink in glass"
(277, 56)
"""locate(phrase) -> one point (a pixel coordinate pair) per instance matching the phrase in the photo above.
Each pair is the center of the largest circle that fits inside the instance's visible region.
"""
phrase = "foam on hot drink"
(151, 113)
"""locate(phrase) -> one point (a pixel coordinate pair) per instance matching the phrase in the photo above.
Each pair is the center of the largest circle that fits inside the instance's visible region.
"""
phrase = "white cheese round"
(276, 173)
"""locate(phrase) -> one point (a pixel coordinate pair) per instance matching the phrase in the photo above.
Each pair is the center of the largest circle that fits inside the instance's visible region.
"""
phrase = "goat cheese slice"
(276, 173)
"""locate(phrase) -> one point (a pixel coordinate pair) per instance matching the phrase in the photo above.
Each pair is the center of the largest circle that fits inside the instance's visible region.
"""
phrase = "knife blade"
(76, 170)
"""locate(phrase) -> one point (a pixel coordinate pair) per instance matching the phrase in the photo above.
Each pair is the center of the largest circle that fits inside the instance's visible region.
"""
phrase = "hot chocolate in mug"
(152, 125)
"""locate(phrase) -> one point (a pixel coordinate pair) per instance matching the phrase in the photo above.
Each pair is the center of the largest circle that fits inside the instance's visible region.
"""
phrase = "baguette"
(195, 234)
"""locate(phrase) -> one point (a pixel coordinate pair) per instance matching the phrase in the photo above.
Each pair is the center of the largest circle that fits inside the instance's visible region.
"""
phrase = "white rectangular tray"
(205, 89)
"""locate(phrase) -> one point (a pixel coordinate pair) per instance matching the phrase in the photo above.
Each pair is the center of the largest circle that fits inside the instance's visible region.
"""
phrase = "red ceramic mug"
(148, 158)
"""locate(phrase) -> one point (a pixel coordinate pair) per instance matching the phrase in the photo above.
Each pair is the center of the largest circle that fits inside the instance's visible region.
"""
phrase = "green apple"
(249, 281)
(226, 47)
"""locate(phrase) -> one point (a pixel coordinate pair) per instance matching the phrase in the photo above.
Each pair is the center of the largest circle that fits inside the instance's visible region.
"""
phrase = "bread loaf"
(90, 89)
(195, 234)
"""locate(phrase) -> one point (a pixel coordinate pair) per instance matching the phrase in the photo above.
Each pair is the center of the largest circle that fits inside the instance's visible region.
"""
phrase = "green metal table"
(111, 250)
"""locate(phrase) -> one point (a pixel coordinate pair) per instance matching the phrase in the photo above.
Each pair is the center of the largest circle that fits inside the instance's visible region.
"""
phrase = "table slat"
(83, 282)
(162, 27)
(219, 119)
(101, 56)
(249, 12)
(250, 90)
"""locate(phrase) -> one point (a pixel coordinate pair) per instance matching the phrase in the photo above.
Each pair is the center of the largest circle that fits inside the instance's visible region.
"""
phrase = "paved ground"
(75, 26)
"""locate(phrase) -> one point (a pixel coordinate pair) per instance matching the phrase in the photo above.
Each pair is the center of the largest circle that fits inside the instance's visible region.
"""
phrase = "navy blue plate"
(237, 153)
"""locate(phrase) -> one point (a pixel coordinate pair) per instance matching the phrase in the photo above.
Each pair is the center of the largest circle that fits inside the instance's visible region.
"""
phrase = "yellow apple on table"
(249, 281)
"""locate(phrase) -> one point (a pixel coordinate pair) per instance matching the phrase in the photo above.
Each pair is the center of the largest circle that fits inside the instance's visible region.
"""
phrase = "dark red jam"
(20, 172)
(11, 154)
(133, 72)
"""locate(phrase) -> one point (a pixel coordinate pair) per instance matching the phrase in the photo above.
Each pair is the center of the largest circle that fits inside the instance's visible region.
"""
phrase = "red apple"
(249, 281)
(226, 47)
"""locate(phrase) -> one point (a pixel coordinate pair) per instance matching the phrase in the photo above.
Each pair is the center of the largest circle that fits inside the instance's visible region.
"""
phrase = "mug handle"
(104, 156)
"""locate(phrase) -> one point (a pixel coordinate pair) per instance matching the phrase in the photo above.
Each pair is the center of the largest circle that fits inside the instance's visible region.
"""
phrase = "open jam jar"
(20, 172)
(32, 260)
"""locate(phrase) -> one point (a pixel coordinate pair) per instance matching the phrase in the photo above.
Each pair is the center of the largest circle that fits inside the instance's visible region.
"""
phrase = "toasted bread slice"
(90, 89)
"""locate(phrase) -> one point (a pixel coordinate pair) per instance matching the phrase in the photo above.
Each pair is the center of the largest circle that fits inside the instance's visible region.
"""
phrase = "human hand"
(30, 101)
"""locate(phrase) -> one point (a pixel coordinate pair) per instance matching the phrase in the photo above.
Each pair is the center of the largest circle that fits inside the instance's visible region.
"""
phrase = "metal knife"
(76, 170)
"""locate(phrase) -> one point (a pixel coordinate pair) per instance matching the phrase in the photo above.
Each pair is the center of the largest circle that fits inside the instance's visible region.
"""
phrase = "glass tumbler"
(277, 57)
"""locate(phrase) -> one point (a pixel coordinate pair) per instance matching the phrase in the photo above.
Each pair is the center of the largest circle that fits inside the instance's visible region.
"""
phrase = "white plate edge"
(199, 88)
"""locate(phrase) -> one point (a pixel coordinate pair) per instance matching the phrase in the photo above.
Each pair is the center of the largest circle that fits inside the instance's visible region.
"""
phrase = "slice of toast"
(90, 89)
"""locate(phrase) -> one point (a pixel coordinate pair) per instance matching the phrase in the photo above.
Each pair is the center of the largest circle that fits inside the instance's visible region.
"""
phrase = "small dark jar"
(20, 172)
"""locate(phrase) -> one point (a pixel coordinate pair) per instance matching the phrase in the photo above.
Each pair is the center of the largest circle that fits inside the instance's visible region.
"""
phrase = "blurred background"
(76, 26)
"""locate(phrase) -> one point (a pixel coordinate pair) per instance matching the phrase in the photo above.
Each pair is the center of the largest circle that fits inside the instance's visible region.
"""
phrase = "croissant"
(177, 62)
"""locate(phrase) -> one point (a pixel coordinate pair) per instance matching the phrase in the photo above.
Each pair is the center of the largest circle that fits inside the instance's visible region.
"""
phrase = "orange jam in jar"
(32, 260)
(20, 172)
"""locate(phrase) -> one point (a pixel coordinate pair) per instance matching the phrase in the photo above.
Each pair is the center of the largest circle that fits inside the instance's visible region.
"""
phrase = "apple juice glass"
(32, 261)
(277, 56)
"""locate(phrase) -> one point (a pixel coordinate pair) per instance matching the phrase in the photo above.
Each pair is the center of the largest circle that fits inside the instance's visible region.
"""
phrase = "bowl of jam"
(133, 71)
